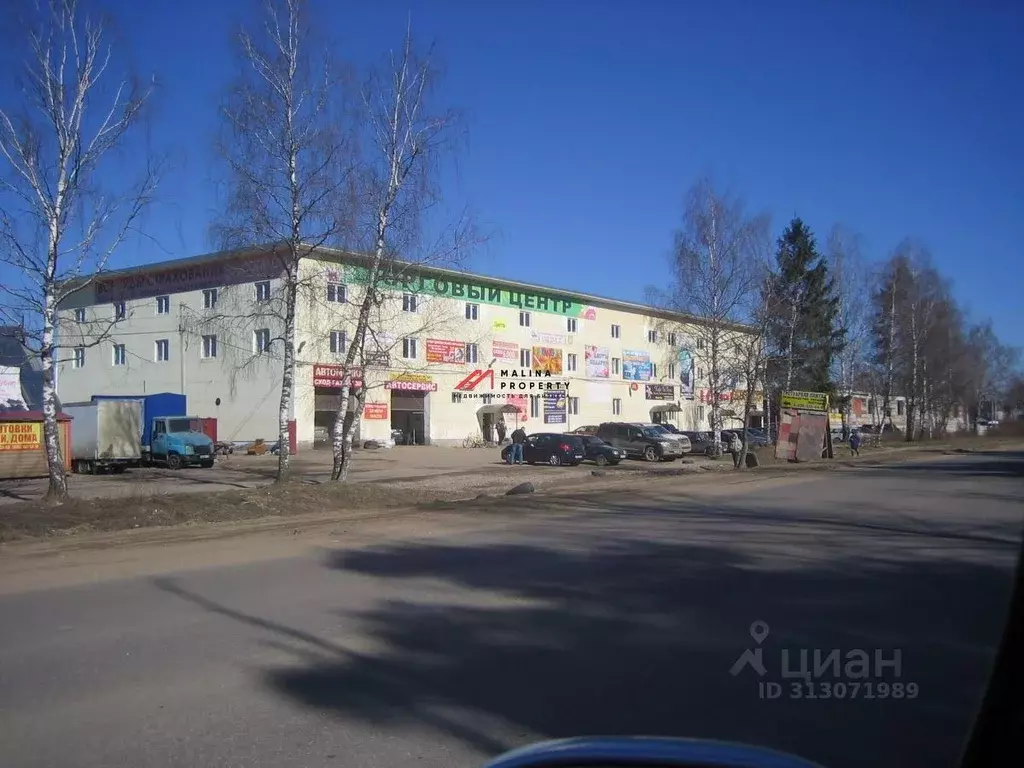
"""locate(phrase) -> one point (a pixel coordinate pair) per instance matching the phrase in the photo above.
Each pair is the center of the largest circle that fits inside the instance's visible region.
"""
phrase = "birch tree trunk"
(58, 488)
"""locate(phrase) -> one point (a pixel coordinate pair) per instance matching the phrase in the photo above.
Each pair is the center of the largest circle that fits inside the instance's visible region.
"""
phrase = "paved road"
(449, 643)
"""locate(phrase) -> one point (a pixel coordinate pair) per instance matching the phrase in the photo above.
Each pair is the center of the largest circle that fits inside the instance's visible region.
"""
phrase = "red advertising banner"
(521, 402)
(331, 375)
(375, 411)
(505, 350)
(441, 351)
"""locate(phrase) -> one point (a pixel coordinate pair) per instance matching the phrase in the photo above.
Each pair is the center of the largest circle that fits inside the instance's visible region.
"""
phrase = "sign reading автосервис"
(476, 290)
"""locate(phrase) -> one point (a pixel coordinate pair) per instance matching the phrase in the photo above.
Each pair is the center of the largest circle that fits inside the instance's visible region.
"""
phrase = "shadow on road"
(593, 631)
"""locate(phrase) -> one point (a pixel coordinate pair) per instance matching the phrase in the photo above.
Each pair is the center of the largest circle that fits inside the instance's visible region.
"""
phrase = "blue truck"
(168, 437)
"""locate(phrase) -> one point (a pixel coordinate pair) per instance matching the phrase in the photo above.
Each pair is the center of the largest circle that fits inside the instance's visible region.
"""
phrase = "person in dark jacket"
(502, 431)
(515, 456)
(855, 443)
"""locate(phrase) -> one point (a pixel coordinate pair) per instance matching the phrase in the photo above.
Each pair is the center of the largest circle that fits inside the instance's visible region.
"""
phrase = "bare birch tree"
(406, 141)
(290, 162)
(853, 291)
(62, 215)
(717, 269)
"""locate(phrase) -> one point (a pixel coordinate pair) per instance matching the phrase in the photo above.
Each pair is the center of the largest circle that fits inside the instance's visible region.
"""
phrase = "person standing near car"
(735, 448)
(502, 430)
(515, 454)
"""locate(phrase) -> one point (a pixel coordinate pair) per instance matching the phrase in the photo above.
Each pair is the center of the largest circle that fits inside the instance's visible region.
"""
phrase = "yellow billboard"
(805, 401)
(20, 436)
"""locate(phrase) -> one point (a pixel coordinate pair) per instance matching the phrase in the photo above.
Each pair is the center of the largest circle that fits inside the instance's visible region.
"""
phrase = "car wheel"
(554, 460)
(601, 460)
(651, 453)
(174, 461)
(614, 463)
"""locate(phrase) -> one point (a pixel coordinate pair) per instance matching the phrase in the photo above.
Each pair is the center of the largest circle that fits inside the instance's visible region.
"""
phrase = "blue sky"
(589, 120)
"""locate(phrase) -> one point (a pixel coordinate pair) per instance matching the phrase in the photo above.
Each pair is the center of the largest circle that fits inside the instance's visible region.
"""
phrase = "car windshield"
(590, 440)
(181, 425)
(654, 432)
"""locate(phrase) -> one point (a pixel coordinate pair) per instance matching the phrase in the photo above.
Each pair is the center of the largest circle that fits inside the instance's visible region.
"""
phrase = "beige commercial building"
(446, 350)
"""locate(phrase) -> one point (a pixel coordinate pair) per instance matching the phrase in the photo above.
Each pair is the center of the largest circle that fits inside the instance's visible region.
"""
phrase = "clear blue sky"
(588, 120)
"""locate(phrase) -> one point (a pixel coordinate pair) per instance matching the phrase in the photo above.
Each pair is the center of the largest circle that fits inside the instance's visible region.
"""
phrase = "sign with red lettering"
(331, 376)
(375, 411)
(440, 351)
(21, 436)
(505, 350)
(411, 382)
(214, 273)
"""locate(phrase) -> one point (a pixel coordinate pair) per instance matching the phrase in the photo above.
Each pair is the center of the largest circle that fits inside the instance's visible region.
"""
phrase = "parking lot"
(473, 470)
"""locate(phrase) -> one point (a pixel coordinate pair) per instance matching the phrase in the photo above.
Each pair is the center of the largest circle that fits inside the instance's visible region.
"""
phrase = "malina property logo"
(513, 380)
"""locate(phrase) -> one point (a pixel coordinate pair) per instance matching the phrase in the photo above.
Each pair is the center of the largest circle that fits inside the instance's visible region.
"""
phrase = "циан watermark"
(816, 674)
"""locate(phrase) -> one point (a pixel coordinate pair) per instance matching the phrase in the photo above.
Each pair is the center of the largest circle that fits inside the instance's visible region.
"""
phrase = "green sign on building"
(476, 290)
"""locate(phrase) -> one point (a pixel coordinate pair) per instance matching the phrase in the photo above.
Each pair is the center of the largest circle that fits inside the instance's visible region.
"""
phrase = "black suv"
(639, 442)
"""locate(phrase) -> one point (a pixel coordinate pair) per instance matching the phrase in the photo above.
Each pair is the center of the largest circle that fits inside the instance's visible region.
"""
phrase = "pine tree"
(804, 334)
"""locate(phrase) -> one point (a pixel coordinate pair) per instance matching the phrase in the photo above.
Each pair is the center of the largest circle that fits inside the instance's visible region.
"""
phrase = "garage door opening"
(409, 417)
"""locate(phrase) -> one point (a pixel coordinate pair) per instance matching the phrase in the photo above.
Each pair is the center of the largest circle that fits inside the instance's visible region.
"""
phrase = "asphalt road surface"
(448, 642)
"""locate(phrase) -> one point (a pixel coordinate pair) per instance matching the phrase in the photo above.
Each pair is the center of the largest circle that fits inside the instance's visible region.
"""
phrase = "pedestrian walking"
(502, 431)
(855, 443)
(515, 455)
(735, 448)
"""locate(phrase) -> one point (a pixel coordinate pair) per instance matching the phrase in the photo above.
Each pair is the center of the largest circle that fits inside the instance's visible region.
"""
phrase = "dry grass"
(39, 519)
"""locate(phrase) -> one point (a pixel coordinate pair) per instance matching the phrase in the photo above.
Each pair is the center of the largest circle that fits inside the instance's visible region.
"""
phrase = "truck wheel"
(173, 461)
(651, 453)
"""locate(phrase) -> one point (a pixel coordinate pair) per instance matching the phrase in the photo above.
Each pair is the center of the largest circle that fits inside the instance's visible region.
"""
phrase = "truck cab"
(178, 441)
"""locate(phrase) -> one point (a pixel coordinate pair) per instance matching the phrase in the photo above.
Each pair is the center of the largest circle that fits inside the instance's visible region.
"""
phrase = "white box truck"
(105, 435)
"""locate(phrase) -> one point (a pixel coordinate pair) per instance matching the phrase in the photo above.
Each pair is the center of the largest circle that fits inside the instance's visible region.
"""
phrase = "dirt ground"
(239, 488)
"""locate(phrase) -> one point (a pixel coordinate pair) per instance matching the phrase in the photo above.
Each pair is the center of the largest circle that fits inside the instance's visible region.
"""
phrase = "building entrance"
(409, 417)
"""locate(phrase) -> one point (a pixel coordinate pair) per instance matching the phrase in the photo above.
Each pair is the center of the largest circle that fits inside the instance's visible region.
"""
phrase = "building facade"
(445, 350)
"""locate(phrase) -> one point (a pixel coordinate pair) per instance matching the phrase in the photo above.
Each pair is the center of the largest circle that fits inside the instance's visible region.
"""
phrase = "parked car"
(600, 452)
(756, 440)
(550, 448)
(702, 443)
(588, 430)
(682, 440)
(638, 442)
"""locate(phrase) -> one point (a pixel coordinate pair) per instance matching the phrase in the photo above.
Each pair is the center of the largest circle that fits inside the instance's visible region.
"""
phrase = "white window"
(119, 310)
(162, 350)
(616, 331)
(210, 298)
(616, 406)
(570, 362)
(654, 370)
(700, 343)
(163, 305)
(899, 407)
(336, 293)
(671, 370)
(339, 342)
(524, 319)
(700, 373)
(534, 406)
(409, 349)
(79, 361)
(571, 325)
(574, 406)
(524, 358)
(616, 365)
(209, 346)
(700, 414)
(652, 337)
(120, 355)
(80, 315)
(408, 302)
(472, 311)
(261, 341)
(472, 353)
(263, 290)
(672, 339)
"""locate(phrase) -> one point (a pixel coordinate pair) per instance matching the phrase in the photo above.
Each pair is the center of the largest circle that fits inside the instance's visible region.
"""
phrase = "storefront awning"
(497, 408)
(666, 408)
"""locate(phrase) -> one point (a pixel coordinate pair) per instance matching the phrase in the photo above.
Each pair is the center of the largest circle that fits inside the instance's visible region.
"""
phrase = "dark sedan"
(550, 448)
(600, 452)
